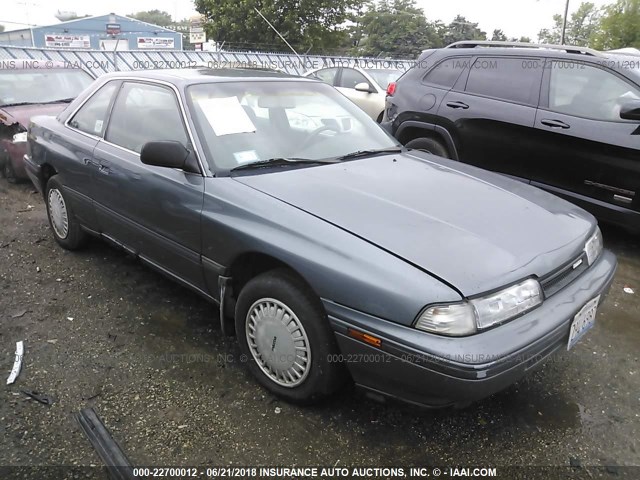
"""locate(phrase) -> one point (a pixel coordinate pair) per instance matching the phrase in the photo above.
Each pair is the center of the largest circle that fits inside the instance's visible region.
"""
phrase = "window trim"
(536, 101)
(114, 95)
(545, 92)
(196, 146)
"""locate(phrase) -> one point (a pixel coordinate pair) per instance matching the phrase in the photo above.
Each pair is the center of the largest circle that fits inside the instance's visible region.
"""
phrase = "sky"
(515, 17)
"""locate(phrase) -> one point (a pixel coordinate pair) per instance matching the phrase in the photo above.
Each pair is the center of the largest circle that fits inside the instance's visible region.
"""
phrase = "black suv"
(566, 119)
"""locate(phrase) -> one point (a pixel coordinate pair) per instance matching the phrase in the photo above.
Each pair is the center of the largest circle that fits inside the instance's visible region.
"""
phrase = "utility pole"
(564, 23)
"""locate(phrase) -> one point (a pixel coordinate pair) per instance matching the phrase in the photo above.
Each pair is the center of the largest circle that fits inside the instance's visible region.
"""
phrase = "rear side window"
(446, 73)
(92, 117)
(510, 79)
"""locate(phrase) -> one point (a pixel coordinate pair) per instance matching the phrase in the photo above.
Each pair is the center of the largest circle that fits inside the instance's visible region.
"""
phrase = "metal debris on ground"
(39, 397)
(17, 364)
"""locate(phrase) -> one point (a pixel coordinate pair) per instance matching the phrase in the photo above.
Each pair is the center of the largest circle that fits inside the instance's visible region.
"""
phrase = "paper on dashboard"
(226, 116)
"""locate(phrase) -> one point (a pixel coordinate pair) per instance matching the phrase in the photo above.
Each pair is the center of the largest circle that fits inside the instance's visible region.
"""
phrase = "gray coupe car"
(333, 252)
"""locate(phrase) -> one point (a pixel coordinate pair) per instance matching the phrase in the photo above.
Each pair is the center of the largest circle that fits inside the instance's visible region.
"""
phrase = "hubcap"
(278, 342)
(58, 213)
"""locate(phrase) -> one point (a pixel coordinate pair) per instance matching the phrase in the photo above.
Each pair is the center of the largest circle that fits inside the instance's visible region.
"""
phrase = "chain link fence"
(100, 61)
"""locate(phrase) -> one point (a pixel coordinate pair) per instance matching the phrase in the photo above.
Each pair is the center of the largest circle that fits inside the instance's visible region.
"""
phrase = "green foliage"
(620, 26)
(156, 17)
(312, 24)
(582, 27)
(498, 36)
(462, 29)
(396, 28)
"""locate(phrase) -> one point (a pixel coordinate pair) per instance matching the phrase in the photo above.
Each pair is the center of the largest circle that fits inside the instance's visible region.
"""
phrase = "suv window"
(446, 73)
(327, 75)
(585, 91)
(505, 78)
(145, 113)
(92, 116)
(350, 78)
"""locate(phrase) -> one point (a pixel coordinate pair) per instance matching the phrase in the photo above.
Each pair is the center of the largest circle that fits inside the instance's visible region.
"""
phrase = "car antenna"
(275, 30)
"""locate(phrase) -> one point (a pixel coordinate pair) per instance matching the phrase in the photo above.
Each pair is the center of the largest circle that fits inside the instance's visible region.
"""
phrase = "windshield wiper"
(62, 100)
(370, 153)
(280, 162)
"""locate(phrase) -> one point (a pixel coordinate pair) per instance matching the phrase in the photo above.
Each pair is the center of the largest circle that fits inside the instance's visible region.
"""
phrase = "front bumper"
(15, 153)
(34, 172)
(437, 371)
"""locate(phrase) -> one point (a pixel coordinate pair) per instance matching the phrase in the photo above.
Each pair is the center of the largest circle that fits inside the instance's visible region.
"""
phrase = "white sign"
(154, 43)
(197, 37)
(226, 116)
(56, 40)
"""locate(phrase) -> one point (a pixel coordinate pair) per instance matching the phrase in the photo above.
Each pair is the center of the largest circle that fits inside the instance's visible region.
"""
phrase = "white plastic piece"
(17, 364)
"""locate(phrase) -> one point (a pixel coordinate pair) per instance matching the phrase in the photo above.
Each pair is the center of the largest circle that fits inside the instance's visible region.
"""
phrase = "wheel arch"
(411, 130)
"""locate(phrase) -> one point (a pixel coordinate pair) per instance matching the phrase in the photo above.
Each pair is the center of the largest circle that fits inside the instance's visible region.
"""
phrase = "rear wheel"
(429, 145)
(66, 229)
(284, 333)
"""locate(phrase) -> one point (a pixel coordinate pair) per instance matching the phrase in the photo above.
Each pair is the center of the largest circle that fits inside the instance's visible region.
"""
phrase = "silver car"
(367, 88)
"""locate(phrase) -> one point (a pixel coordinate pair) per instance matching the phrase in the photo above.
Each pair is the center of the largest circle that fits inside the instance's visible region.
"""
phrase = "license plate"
(584, 320)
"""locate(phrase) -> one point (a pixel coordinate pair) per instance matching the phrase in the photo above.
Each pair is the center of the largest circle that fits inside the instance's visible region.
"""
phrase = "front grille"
(556, 281)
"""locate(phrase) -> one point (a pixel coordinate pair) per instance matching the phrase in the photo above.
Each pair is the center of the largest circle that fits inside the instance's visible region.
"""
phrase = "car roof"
(187, 76)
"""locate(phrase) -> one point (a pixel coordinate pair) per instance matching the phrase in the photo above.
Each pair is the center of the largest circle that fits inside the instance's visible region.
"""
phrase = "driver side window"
(590, 92)
(350, 78)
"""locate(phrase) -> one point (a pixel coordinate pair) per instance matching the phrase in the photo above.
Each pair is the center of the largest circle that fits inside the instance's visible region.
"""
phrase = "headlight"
(20, 137)
(466, 318)
(593, 247)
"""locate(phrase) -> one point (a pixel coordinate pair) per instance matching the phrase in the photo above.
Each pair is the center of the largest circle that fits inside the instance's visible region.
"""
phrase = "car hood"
(473, 229)
(22, 113)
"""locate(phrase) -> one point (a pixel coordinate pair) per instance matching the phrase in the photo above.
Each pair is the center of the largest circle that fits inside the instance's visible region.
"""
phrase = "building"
(105, 32)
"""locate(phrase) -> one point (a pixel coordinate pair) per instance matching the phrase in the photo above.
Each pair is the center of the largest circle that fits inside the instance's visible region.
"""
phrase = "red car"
(28, 88)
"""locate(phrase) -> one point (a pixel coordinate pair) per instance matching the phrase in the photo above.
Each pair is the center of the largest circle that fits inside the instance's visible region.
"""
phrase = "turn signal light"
(391, 89)
(365, 337)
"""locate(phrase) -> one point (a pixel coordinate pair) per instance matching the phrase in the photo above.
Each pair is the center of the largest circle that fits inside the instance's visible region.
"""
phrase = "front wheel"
(429, 145)
(284, 333)
(66, 229)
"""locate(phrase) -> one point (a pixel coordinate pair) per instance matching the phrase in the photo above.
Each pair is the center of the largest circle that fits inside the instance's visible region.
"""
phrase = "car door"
(372, 102)
(587, 148)
(491, 113)
(152, 211)
(86, 127)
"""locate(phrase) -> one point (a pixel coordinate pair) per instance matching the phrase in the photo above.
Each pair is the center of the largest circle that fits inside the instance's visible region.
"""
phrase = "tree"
(316, 24)
(498, 36)
(155, 17)
(582, 27)
(397, 28)
(461, 29)
(620, 26)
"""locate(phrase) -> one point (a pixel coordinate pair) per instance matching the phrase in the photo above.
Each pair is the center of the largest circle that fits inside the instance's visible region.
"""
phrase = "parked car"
(562, 118)
(28, 88)
(330, 250)
(365, 87)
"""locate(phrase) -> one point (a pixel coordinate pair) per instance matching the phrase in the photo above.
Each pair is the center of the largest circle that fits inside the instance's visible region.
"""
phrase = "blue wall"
(95, 29)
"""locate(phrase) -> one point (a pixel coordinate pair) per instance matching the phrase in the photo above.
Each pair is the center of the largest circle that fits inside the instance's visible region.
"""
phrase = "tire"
(297, 381)
(429, 145)
(66, 229)
(380, 117)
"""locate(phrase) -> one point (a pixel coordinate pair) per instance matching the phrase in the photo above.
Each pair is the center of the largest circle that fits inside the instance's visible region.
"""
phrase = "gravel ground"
(102, 330)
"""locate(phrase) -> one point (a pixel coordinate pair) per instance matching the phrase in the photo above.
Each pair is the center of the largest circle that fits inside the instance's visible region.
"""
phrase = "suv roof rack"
(488, 43)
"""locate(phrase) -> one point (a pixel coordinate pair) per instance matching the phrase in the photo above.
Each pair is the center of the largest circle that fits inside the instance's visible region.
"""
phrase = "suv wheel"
(284, 334)
(429, 145)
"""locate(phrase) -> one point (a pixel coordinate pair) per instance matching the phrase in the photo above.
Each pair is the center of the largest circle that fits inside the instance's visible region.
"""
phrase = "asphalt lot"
(102, 330)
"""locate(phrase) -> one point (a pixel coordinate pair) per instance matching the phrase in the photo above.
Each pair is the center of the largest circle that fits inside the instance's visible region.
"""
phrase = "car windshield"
(241, 123)
(41, 86)
(384, 77)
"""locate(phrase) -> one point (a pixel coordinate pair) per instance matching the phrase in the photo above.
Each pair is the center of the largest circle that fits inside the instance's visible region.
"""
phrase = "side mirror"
(168, 154)
(630, 110)
(364, 87)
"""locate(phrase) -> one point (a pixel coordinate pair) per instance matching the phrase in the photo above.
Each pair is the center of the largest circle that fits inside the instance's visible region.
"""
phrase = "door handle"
(555, 124)
(461, 105)
(89, 161)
